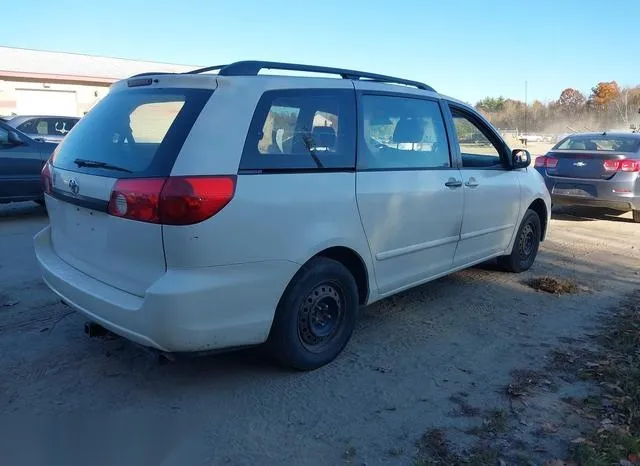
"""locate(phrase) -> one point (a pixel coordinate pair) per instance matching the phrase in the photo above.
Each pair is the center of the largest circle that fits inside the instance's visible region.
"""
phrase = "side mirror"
(520, 158)
(14, 139)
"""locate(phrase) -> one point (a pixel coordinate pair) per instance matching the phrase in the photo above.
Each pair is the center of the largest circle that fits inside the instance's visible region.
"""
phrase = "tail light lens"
(611, 165)
(546, 161)
(625, 165)
(171, 201)
(630, 165)
(45, 177)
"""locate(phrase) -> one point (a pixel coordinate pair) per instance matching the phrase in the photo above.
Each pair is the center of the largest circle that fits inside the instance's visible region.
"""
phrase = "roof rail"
(252, 68)
(151, 73)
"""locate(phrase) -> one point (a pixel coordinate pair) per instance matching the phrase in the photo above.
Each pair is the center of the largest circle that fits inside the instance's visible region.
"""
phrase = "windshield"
(140, 132)
(600, 143)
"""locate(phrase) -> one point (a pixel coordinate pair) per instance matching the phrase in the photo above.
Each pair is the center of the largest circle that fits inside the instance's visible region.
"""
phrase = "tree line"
(607, 107)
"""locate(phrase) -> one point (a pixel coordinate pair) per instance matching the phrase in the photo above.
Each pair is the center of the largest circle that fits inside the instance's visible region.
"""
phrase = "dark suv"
(42, 127)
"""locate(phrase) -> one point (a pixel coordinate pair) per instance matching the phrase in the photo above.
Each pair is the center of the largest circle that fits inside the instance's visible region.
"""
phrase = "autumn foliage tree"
(607, 107)
(571, 101)
(604, 94)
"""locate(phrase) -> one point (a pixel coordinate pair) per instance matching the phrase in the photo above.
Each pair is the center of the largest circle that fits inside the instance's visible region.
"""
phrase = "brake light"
(625, 165)
(630, 165)
(173, 200)
(546, 161)
(45, 177)
(611, 165)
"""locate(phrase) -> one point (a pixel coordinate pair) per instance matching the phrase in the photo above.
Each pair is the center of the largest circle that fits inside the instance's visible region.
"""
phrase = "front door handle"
(471, 183)
(453, 183)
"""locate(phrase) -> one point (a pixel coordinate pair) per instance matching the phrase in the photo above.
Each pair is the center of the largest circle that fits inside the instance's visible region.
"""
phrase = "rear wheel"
(525, 247)
(636, 216)
(316, 315)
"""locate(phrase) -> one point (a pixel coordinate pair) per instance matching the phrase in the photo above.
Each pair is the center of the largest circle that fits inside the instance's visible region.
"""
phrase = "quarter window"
(302, 129)
(402, 133)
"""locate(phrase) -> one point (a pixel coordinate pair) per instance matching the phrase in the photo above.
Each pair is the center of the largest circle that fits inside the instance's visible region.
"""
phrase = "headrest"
(324, 136)
(409, 130)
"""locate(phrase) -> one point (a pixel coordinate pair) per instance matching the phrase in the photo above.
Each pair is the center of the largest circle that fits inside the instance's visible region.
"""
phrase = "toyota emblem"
(73, 186)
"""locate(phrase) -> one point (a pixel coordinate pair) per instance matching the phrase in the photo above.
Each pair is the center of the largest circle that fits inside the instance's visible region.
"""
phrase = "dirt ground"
(68, 399)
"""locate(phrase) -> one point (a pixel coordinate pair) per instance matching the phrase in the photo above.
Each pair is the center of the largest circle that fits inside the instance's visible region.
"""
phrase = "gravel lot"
(68, 399)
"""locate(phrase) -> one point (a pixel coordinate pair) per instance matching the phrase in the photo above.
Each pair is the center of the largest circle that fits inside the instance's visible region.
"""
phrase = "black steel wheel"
(526, 245)
(316, 315)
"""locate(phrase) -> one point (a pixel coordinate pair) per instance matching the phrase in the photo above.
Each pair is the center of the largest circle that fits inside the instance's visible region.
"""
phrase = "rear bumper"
(622, 192)
(614, 204)
(186, 310)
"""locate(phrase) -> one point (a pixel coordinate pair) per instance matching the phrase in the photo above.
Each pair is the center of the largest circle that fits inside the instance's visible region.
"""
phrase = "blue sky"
(467, 49)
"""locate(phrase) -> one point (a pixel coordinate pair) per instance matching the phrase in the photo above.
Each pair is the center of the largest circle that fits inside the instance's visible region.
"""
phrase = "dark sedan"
(595, 169)
(21, 160)
(43, 127)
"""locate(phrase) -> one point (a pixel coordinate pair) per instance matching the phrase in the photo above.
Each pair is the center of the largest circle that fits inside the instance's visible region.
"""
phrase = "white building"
(66, 84)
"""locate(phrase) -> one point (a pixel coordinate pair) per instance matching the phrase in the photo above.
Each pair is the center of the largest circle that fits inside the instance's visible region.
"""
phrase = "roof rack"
(252, 68)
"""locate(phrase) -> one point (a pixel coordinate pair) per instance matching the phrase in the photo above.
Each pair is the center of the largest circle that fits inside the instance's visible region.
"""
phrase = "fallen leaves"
(554, 285)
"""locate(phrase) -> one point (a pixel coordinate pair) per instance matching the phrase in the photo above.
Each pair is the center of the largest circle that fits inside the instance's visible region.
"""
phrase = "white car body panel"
(408, 241)
(491, 210)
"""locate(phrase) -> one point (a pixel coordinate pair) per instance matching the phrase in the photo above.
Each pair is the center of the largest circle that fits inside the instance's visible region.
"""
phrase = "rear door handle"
(453, 183)
(471, 183)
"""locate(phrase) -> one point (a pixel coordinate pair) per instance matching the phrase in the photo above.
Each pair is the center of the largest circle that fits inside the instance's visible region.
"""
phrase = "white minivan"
(225, 207)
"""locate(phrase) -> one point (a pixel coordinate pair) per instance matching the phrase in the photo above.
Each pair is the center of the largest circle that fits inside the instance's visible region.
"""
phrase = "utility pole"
(525, 107)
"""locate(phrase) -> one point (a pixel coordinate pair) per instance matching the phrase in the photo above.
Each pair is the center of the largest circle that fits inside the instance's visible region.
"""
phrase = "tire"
(526, 245)
(636, 216)
(316, 315)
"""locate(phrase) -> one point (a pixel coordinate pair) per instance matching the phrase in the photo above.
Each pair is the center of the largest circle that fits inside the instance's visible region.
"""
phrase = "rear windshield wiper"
(98, 164)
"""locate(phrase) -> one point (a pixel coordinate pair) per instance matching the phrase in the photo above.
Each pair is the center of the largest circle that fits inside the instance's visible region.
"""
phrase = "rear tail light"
(546, 161)
(630, 165)
(171, 201)
(45, 177)
(611, 165)
(625, 165)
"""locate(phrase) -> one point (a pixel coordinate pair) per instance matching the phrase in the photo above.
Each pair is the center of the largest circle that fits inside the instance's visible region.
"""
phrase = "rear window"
(600, 143)
(138, 131)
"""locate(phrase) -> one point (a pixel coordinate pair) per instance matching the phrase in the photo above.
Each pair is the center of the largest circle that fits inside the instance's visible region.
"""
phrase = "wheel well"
(539, 207)
(354, 263)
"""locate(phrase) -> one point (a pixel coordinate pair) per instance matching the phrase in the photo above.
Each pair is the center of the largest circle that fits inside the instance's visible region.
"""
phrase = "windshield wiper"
(97, 164)
(308, 142)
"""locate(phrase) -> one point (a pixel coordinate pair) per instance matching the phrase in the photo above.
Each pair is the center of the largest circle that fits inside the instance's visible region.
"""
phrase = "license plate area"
(574, 190)
(81, 229)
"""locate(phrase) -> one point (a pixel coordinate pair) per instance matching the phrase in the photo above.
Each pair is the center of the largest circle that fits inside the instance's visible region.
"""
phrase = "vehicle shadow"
(21, 211)
(588, 214)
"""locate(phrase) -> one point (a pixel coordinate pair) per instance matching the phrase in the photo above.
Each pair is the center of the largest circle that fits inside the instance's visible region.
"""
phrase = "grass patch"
(434, 450)
(615, 367)
(554, 285)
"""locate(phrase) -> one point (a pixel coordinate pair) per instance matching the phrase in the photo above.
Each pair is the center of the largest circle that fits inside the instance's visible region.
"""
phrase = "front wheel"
(525, 247)
(636, 216)
(316, 315)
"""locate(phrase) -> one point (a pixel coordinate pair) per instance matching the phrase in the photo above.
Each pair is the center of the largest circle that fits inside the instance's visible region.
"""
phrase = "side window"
(476, 148)
(402, 133)
(28, 127)
(42, 127)
(302, 129)
(59, 126)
